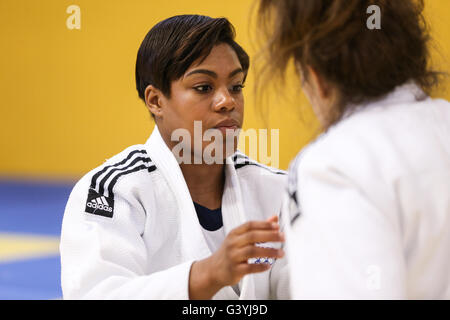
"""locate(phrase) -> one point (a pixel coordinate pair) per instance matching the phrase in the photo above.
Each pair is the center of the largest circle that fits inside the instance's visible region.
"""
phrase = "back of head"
(334, 38)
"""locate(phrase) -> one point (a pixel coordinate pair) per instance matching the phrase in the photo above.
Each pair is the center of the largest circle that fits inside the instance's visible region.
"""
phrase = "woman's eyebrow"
(204, 71)
(235, 72)
(212, 73)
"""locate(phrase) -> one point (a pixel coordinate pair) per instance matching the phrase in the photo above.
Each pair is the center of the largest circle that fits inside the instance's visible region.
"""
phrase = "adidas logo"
(99, 203)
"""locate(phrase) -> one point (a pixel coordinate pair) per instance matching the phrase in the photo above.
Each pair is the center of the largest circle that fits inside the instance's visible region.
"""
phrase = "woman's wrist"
(203, 284)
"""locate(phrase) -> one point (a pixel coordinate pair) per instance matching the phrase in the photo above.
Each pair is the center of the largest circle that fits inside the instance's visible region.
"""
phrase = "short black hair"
(172, 45)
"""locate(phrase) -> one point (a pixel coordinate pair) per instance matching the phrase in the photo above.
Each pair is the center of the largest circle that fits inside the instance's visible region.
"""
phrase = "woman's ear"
(153, 101)
(318, 83)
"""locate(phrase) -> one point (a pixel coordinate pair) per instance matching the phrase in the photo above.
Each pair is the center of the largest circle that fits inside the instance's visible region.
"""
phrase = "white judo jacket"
(370, 204)
(130, 230)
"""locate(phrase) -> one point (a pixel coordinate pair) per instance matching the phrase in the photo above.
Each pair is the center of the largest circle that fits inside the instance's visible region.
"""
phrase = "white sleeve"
(341, 246)
(279, 273)
(106, 258)
(279, 280)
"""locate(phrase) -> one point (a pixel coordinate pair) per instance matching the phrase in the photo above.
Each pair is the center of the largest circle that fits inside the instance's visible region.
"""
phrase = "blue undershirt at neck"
(210, 220)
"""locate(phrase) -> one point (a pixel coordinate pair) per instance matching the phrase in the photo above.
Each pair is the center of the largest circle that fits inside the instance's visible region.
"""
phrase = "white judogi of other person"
(370, 204)
(130, 229)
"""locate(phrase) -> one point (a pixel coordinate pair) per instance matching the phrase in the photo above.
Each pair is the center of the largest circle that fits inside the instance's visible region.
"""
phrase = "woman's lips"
(227, 126)
(227, 129)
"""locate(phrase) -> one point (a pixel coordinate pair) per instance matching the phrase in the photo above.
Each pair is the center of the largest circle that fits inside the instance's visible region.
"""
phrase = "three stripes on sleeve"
(100, 199)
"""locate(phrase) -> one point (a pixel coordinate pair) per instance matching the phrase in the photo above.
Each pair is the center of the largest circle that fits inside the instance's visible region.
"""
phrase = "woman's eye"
(203, 88)
(238, 88)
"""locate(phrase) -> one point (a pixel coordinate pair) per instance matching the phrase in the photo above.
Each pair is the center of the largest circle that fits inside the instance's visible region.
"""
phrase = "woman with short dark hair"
(369, 205)
(175, 219)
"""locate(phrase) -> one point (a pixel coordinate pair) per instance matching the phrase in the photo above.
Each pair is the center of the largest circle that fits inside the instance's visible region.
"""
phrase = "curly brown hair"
(331, 37)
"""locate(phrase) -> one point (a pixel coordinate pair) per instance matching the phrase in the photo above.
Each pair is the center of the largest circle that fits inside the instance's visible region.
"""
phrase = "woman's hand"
(229, 264)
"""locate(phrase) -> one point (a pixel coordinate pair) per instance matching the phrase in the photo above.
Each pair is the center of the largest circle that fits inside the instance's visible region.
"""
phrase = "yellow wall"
(68, 98)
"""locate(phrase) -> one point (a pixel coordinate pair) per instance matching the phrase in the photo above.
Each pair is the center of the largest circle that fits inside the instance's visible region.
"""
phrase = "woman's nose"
(224, 101)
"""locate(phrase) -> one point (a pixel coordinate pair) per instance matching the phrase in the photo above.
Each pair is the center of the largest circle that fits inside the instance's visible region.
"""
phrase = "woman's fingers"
(255, 225)
(247, 268)
(257, 236)
(252, 251)
(230, 262)
(239, 246)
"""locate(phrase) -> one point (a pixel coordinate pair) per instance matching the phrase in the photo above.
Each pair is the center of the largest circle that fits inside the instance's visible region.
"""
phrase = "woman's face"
(210, 91)
(321, 96)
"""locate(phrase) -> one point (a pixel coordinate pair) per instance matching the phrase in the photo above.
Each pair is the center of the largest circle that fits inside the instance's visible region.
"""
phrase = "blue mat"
(31, 279)
(31, 208)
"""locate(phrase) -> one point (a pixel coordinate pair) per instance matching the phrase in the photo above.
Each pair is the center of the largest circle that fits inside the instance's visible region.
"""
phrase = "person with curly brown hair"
(369, 200)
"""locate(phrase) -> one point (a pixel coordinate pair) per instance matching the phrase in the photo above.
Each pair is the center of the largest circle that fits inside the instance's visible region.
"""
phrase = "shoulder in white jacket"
(370, 204)
(130, 230)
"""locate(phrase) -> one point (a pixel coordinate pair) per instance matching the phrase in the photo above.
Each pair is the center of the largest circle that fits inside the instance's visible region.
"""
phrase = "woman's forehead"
(222, 60)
